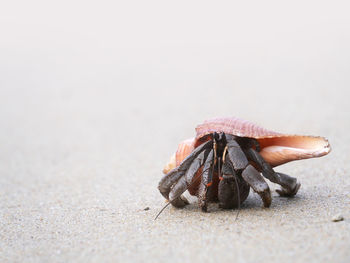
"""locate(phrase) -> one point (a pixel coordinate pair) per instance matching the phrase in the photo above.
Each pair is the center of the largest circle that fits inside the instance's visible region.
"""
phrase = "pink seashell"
(276, 148)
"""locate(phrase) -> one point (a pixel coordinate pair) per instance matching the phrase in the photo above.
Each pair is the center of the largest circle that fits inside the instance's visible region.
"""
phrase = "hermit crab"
(229, 156)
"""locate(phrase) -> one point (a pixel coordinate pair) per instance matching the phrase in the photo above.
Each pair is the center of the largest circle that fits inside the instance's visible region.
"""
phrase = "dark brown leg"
(206, 181)
(185, 181)
(235, 153)
(174, 175)
(288, 192)
(233, 190)
(257, 182)
(289, 184)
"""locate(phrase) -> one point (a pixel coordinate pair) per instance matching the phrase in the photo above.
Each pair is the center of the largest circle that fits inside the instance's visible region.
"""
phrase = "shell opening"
(283, 149)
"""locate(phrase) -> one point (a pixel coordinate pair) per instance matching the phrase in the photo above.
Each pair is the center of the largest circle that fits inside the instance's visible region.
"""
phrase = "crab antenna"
(238, 198)
(238, 195)
(162, 210)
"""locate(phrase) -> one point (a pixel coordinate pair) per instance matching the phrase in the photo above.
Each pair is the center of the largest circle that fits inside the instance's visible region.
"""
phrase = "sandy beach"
(92, 109)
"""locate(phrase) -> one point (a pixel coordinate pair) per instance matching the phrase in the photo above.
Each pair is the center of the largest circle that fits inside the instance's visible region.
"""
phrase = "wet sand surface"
(87, 123)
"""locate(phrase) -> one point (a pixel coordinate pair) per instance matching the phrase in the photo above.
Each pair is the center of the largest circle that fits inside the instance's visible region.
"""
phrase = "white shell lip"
(325, 150)
(293, 147)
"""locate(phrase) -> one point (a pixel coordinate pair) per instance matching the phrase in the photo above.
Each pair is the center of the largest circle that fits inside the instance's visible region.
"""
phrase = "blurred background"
(146, 61)
(96, 95)
(172, 55)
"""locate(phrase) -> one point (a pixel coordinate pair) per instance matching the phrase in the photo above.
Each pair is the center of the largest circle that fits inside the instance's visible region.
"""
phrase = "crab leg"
(185, 181)
(257, 182)
(235, 153)
(206, 181)
(233, 190)
(227, 192)
(174, 175)
(289, 184)
(234, 160)
(287, 192)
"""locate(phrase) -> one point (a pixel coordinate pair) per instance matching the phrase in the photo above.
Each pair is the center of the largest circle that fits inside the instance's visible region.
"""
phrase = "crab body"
(228, 156)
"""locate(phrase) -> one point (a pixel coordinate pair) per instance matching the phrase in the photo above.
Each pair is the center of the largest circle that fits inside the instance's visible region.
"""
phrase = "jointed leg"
(232, 189)
(175, 196)
(174, 175)
(235, 153)
(257, 182)
(288, 192)
(289, 184)
(185, 181)
(206, 181)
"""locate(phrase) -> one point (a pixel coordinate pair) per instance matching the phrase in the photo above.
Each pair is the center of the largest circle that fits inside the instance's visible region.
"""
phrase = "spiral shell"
(276, 148)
